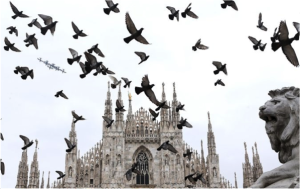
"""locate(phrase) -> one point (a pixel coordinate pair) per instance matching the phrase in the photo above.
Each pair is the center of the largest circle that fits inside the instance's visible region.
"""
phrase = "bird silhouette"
(10, 46)
(174, 13)
(17, 12)
(119, 107)
(76, 117)
(154, 114)
(70, 145)
(219, 82)
(50, 25)
(60, 93)
(127, 82)
(132, 169)
(260, 23)
(77, 32)
(75, 56)
(182, 123)
(199, 46)
(188, 12)
(111, 7)
(188, 154)
(257, 44)
(12, 30)
(95, 49)
(179, 107)
(108, 121)
(24, 71)
(229, 3)
(27, 143)
(142, 55)
(220, 67)
(167, 146)
(36, 23)
(61, 174)
(31, 40)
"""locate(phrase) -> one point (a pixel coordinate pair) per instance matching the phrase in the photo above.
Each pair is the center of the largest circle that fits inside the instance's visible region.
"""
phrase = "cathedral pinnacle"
(245, 145)
(129, 96)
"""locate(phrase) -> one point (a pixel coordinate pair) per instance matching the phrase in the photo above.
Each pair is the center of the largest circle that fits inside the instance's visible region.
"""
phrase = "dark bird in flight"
(119, 107)
(76, 117)
(70, 145)
(61, 175)
(89, 65)
(183, 122)
(219, 81)
(75, 56)
(297, 26)
(162, 105)
(27, 143)
(179, 107)
(199, 46)
(103, 70)
(167, 146)
(96, 50)
(31, 40)
(60, 93)
(220, 67)
(188, 154)
(1, 136)
(49, 24)
(201, 178)
(147, 89)
(285, 44)
(188, 12)
(142, 55)
(154, 114)
(17, 12)
(115, 82)
(2, 167)
(83, 68)
(260, 23)
(191, 178)
(10, 46)
(108, 121)
(111, 7)
(77, 32)
(229, 3)
(12, 30)
(127, 82)
(132, 169)
(275, 36)
(36, 23)
(135, 34)
(24, 71)
(257, 44)
(174, 13)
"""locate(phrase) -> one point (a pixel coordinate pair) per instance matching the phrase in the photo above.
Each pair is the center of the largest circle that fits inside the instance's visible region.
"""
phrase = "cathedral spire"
(246, 154)
(209, 123)
(34, 176)
(235, 181)
(48, 182)
(108, 103)
(163, 92)
(22, 177)
(42, 184)
(174, 93)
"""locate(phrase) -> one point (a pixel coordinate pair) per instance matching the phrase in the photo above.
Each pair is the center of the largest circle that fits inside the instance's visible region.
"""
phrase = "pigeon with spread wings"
(188, 154)
(103, 70)
(35, 22)
(135, 34)
(77, 32)
(111, 7)
(70, 145)
(2, 167)
(229, 3)
(61, 174)
(17, 12)
(142, 55)
(154, 114)
(119, 107)
(188, 12)
(174, 13)
(50, 25)
(95, 49)
(257, 44)
(180, 107)
(1, 136)
(27, 142)
(260, 23)
(12, 30)
(127, 82)
(167, 146)
(219, 82)
(24, 71)
(132, 169)
(60, 93)
(220, 67)
(76, 117)
(108, 121)
(115, 82)
(183, 122)
(199, 46)
(75, 56)
(31, 40)
(201, 178)
(91, 64)
(191, 178)
(10, 46)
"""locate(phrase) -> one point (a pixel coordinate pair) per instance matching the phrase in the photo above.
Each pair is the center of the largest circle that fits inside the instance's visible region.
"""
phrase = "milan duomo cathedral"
(136, 139)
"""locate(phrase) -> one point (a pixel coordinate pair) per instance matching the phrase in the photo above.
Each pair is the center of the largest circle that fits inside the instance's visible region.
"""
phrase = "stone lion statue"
(281, 115)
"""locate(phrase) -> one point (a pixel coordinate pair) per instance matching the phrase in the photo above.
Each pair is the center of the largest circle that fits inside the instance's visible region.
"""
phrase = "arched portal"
(143, 167)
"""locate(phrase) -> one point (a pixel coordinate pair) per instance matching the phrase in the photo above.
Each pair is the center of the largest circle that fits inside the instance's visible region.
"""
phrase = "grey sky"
(28, 107)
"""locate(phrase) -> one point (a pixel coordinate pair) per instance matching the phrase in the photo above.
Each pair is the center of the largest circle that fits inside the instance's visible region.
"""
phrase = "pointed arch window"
(143, 167)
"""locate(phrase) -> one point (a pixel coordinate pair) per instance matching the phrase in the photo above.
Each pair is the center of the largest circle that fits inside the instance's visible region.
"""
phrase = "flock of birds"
(279, 39)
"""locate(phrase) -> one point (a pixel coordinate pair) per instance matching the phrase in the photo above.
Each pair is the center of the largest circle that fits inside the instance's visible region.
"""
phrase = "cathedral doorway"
(143, 167)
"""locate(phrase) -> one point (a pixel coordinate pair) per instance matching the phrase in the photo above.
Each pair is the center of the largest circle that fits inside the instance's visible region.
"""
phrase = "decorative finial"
(163, 84)
(108, 85)
(36, 142)
(174, 87)
(129, 96)
(208, 115)
(245, 146)
(252, 150)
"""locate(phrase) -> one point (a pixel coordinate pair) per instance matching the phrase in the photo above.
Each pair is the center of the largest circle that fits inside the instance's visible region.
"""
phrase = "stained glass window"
(143, 167)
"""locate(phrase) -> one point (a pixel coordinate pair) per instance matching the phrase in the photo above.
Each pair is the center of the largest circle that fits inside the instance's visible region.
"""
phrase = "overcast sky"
(28, 107)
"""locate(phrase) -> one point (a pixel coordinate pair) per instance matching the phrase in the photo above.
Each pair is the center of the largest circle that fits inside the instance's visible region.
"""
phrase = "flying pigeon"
(229, 3)
(75, 56)
(61, 175)
(36, 23)
(285, 43)
(275, 36)
(96, 50)
(219, 81)
(31, 40)
(49, 24)
(188, 12)
(179, 107)
(132, 169)
(115, 82)
(10, 46)
(27, 143)
(127, 82)
(89, 65)
(188, 154)
(220, 67)
(297, 26)
(24, 71)
(70, 145)
(135, 34)
(108, 121)
(261, 24)
(199, 46)
(162, 105)
(142, 55)
(76, 117)
(154, 114)
(17, 12)
(77, 32)
(103, 70)
(119, 107)
(13, 30)
(200, 177)
(167, 146)
(83, 68)
(147, 89)
(182, 123)
(257, 44)
(191, 178)
(60, 93)
(174, 13)
(1, 136)
(111, 7)
(2, 167)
